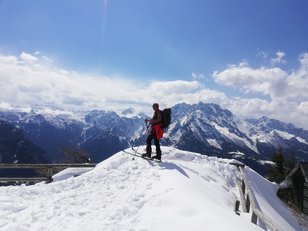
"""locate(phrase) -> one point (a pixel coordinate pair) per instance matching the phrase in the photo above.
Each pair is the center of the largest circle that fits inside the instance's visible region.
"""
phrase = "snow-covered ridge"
(187, 191)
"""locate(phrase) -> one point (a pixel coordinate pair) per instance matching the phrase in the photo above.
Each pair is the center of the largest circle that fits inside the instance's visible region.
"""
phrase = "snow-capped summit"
(128, 111)
(208, 128)
(268, 125)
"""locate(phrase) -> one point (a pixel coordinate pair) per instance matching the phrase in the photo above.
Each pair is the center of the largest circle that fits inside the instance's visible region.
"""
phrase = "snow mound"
(187, 191)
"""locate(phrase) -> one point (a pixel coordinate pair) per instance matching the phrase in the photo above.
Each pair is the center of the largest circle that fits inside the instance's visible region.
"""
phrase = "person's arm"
(157, 120)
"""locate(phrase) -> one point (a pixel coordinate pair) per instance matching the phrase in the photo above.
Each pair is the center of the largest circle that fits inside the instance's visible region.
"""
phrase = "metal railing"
(48, 170)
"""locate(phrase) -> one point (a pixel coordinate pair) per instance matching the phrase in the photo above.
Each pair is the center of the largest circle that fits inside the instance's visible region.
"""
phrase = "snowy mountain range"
(187, 191)
(15, 147)
(209, 129)
(203, 128)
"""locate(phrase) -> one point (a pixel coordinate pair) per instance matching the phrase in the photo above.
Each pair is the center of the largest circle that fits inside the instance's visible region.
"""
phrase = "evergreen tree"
(75, 156)
(290, 162)
(277, 173)
(282, 165)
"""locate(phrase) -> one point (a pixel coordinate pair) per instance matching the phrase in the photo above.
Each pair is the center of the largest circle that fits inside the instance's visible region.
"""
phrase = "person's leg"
(157, 145)
(149, 148)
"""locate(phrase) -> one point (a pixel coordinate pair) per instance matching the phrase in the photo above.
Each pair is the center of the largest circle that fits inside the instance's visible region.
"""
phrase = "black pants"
(156, 142)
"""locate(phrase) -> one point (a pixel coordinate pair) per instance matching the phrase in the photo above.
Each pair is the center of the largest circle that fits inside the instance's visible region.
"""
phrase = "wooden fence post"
(237, 207)
(247, 204)
(254, 218)
(49, 175)
(243, 186)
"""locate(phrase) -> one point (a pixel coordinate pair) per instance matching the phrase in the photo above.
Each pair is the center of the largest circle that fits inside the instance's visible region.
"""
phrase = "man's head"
(155, 106)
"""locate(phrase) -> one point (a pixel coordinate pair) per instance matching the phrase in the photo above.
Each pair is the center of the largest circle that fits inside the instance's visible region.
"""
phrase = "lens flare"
(105, 5)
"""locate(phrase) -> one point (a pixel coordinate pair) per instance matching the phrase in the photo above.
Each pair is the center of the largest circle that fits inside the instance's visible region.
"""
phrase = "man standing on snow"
(156, 133)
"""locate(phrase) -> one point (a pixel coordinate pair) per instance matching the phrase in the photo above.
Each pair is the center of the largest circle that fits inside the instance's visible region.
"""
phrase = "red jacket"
(158, 130)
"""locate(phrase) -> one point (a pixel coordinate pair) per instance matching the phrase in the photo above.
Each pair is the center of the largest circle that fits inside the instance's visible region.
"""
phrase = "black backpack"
(166, 117)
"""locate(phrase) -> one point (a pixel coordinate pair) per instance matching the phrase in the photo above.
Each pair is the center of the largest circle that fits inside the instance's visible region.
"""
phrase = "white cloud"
(28, 58)
(174, 87)
(273, 61)
(29, 80)
(198, 76)
(262, 54)
(287, 92)
(266, 81)
(303, 59)
(254, 106)
(297, 81)
(303, 108)
(279, 58)
(33, 79)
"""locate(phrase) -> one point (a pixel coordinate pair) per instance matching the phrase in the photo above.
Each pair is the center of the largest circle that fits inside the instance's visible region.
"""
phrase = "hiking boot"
(145, 155)
(156, 158)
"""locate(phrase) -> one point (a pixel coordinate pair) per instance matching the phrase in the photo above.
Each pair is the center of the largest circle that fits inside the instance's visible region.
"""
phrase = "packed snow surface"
(187, 191)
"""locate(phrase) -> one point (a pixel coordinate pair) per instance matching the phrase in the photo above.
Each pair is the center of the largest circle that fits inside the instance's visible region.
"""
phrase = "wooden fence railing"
(249, 204)
(48, 171)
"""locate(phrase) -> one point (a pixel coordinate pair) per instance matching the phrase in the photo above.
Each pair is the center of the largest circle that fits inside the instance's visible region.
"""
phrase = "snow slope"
(187, 191)
(271, 206)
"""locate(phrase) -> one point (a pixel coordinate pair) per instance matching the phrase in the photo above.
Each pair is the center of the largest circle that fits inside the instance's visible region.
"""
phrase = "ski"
(131, 153)
(136, 151)
(149, 158)
(137, 154)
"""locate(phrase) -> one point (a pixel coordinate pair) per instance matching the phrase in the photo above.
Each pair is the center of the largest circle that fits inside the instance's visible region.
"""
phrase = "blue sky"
(205, 45)
(154, 39)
